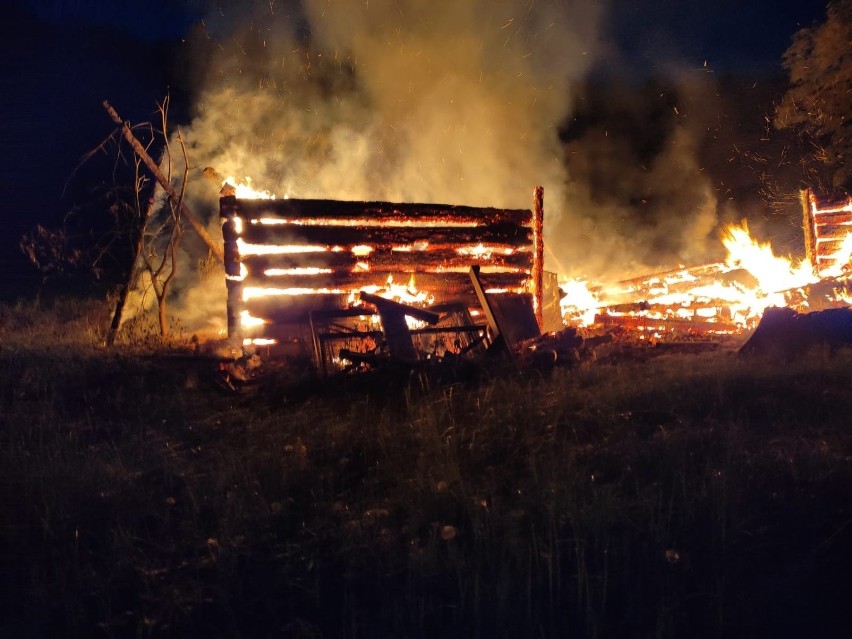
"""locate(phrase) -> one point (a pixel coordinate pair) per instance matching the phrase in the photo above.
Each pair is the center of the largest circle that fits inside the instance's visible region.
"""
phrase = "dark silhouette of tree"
(818, 104)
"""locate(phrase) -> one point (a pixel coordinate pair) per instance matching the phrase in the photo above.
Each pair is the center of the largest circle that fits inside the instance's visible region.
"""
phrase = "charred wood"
(510, 235)
(377, 212)
(387, 260)
(344, 282)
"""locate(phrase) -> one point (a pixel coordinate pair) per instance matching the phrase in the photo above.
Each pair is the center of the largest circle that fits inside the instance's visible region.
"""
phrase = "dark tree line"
(817, 105)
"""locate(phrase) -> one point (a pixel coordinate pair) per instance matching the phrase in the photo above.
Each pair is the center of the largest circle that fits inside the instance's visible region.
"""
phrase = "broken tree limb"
(164, 182)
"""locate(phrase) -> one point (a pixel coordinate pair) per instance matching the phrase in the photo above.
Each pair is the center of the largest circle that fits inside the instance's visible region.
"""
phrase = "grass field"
(700, 495)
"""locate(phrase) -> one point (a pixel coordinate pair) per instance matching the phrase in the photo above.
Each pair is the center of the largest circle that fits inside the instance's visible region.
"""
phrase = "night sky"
(61, 58)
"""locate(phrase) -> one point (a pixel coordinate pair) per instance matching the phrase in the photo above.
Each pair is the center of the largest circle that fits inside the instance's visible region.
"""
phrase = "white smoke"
(401, 100)
(447, 102)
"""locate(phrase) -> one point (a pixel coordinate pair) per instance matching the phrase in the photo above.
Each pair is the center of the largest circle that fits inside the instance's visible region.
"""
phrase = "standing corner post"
(228, 209)
(537, 274)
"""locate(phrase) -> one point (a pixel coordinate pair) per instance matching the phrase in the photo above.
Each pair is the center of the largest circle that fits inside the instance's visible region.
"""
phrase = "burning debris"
(725, 298)
(361, 285)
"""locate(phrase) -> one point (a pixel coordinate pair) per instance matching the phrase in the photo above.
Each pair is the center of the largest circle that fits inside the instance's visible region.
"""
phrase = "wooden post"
(231, 253)
(164, 182)
(806, 196)
(537, 274)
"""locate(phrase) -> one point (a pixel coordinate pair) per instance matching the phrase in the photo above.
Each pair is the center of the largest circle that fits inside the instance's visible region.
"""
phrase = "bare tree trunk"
(161, 315)
(125, 289)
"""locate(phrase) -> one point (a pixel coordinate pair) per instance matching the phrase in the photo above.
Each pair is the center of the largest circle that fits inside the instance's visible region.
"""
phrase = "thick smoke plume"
(641, 195)
(402, 100)
(469, 102)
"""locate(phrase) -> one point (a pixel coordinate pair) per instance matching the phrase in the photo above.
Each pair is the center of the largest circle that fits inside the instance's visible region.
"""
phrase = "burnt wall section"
(827, 224)
(285, 258)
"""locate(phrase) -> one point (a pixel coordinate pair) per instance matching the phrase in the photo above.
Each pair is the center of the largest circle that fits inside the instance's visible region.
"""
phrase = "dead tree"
(156, 245)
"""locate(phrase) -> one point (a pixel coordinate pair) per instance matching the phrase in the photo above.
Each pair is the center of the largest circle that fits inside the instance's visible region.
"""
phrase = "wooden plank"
(382, 304)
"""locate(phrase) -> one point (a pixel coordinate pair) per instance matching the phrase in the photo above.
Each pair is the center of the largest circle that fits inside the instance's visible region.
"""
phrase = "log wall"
(827, 223)
(285, 258)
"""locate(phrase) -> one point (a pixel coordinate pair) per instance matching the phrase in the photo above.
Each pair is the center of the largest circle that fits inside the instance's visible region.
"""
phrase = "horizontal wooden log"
(828, 248)
(830, 203)
(674, 274)
(648, 325)
(664, 309)
(828, 232)
(434, 283)
(832, 218)
(386, 237)
(394, 261)
(281, 309)
(372, 212)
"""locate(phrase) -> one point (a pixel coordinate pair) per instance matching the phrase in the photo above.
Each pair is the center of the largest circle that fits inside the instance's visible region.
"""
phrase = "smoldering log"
(833, 232)
(829, 218)
(509, 235)
(380, 213)
(349, 281)
(662, 309)
(387, 260)
(686, 326)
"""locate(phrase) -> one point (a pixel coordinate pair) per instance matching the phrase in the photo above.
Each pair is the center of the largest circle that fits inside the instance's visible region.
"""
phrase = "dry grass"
(696, 496)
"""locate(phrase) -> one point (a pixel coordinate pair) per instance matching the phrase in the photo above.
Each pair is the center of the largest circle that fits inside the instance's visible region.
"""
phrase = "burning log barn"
(339, 278)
